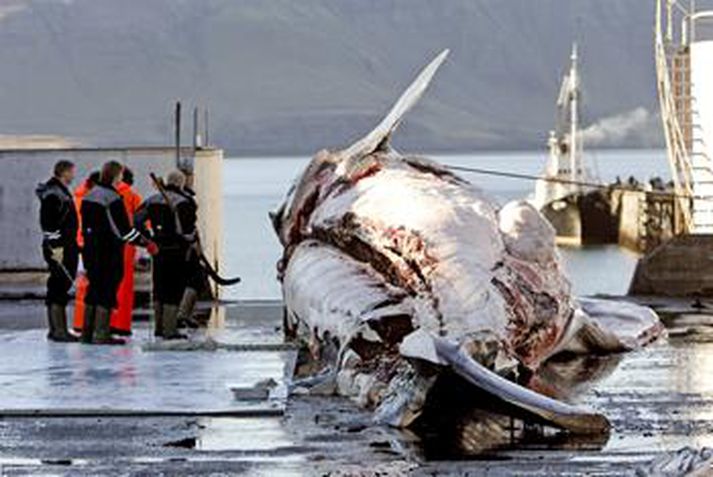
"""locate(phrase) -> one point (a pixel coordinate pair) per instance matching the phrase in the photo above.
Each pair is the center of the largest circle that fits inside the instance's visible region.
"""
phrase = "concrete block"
(682, 266)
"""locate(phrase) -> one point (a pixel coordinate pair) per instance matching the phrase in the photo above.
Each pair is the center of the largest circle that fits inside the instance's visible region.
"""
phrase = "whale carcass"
(395, 270)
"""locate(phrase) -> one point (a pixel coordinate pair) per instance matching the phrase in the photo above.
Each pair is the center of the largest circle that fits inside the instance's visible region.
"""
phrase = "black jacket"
(173, 224)
(105, 222)
(58, 216)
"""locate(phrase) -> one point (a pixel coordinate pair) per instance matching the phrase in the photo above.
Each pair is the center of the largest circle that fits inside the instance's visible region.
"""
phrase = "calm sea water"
(255, 186)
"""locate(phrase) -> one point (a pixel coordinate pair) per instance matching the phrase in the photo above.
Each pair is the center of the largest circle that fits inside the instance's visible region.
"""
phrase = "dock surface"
(79, 410)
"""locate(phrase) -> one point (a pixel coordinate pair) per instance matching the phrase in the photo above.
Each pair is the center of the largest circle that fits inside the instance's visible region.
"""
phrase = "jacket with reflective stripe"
(104, 218)
(171, 224)
(58, 217)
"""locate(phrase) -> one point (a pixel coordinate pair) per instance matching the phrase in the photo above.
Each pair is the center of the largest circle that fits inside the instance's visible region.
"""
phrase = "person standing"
(196, 278)
(120, 322)
(58, 219)
(106, 229)
(173, 222)
(82, 283)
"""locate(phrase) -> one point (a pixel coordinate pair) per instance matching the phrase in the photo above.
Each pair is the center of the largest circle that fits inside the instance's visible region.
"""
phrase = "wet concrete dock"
(658, 399)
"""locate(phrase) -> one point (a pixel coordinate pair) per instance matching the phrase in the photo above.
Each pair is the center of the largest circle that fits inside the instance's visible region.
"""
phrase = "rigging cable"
(593, 185)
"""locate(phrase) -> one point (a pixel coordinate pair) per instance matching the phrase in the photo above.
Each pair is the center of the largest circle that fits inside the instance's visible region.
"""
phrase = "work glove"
(152, 248)
(57, 254)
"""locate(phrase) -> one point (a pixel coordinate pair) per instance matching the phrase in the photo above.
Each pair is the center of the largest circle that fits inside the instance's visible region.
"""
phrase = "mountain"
(294, 76)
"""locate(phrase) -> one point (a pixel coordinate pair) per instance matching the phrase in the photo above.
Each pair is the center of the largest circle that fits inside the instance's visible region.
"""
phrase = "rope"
(593, 185)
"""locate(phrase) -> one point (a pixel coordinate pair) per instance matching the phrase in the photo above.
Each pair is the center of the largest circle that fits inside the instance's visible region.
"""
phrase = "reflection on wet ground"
(461, 423)
(484, 435)
(53, 378)
(658, 399)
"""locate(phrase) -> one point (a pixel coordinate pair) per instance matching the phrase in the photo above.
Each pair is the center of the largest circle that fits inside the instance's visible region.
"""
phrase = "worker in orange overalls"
(120, 322)
(82, 282)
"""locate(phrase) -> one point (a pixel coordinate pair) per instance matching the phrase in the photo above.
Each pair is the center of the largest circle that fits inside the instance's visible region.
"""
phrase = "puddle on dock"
(256, 440)
(48, 378)
(224, 434)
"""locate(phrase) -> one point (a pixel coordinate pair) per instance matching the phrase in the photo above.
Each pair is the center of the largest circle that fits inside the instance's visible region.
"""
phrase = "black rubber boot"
(51, 323)
(170, 323)
(58, 326)
(158, 319)
(102, 334)
(89, 324)
(185, 309)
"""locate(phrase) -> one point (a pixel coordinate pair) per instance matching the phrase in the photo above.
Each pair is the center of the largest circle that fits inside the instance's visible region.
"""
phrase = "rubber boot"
(90, 317)
(158, 318)
(51, 323)
(170, 323)
(58, 328)
(185, 309)
(102, 334)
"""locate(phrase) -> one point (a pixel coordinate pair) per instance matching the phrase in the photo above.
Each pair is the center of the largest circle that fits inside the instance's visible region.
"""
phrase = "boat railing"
(673, 99)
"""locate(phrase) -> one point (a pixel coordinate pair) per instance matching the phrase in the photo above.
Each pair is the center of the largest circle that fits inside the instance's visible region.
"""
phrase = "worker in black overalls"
(172, 215)
(196, 279)
(106, 229)
(58, 219)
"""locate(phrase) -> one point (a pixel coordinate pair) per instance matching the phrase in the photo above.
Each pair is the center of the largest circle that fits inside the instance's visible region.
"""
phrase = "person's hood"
(41, 190)
(174, 188)
(44, 187)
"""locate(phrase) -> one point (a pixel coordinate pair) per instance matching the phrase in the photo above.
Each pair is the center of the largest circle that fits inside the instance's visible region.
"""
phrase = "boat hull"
(583, 219)
(565, 217)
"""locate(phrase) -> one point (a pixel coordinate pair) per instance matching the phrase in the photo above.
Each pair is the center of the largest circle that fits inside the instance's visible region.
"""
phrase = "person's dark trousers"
(196, 284)
(60, 281)
(169, 282)
(169, 274)
(105, 269)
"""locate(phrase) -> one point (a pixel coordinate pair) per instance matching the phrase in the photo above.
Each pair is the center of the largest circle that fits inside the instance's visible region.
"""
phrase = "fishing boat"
(581, 214)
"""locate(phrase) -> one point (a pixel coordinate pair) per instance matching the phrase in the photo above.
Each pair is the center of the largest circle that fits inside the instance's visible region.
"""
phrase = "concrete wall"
(22, 170)
(681, 267)
(208, 184)
(632, 203)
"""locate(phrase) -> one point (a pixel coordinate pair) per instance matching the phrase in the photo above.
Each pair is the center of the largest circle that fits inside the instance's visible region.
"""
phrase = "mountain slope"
(285, 76)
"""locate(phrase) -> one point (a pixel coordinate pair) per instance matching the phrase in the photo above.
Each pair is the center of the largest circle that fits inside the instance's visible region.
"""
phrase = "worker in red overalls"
(120, 322)
(82, 282)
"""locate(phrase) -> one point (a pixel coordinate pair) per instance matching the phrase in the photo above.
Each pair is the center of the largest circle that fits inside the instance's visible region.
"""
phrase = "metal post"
(692, 11)
(196, 134)
(574, 119)
(206, 140)
(177, 131)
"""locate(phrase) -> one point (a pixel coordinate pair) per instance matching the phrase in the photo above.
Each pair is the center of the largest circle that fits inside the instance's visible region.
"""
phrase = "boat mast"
(574, 116)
